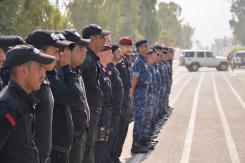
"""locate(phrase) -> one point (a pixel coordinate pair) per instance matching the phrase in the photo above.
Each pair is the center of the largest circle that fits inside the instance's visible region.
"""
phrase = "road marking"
(235, 92)
(177, 80)
(229, 140)
(138, 157)
(173, 101)
(188, 140)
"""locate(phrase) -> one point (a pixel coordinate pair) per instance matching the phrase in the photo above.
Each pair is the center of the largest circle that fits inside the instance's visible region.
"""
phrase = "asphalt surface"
(207, 124)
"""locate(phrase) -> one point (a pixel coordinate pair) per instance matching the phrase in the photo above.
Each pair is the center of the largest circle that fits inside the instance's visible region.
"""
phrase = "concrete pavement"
(208, 122)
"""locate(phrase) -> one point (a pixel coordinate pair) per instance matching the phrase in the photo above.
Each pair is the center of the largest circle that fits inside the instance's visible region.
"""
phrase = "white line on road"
(235, 92)
(173, 101)
(138, 157)
(188, 140)
(229, 140)
(177, 80)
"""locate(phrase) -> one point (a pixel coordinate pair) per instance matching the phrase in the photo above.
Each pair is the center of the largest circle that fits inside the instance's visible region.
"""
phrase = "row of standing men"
(77, 96)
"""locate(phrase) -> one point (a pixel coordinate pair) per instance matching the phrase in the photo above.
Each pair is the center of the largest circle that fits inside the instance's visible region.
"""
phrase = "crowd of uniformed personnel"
(67, 98)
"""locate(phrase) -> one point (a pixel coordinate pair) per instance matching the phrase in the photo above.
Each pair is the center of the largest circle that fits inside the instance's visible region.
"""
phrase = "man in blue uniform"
(151, 101)
(139, 91)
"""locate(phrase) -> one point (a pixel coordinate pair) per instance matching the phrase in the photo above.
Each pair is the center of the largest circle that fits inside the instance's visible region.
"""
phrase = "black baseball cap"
(150, 51)
(43, 38)
(21, 54)
(9, 41)
(114, 47)
(72, 35)
(165, 50)
(140, 42)
(93, 29)
(171, 50)
(156, 47)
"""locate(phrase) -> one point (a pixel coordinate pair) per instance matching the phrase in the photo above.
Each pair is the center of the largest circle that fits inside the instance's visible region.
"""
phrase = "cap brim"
(150, 51)
(64, 44)
(44, 58)
(105, 33)
(83, 42)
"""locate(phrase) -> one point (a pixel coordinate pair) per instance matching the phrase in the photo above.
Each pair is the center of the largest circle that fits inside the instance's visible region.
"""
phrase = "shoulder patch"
(7, 126)
(10, 119)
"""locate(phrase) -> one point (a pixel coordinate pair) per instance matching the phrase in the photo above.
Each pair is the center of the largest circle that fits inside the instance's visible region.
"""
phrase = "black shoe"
(148, 144)
(137, 147)
(116, 160)
(137, 150)
(170, 107)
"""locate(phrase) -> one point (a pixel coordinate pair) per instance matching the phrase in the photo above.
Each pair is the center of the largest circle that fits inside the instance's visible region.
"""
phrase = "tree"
(27, 15)
(8, 19)
(187, 33)
(148, 24)
(237, 22)
(138, 19)
(173, 31)
(121, 17)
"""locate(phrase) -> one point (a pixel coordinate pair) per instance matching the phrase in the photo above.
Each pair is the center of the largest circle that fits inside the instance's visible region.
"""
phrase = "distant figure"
(230, 62)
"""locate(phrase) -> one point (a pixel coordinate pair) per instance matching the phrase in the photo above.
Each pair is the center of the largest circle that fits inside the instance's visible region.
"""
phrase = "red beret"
(125, 40)
(107, 47)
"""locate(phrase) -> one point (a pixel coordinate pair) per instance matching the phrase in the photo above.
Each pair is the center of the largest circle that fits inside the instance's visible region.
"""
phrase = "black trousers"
(121, 133)
(78, 147)
(89, 147)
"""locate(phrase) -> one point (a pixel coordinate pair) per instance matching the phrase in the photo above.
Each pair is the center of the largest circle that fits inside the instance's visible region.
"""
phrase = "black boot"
(137, 147)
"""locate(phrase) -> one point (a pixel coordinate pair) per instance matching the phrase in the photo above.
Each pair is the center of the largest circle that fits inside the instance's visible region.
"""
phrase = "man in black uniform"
(125, 44)
(117, 99)
(17, 104)
(101, 148)
(48, 42)
(80, 110)
(90, 70)
(6, 42)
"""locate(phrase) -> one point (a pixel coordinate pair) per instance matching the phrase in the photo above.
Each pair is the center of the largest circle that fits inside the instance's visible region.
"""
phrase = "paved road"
(208, 122)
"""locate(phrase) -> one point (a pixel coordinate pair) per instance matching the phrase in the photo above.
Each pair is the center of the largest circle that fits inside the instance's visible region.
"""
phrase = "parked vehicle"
(194, 59)
(238, 59)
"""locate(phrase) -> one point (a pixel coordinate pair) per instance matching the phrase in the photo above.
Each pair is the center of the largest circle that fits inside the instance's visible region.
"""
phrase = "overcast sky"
(210, 18)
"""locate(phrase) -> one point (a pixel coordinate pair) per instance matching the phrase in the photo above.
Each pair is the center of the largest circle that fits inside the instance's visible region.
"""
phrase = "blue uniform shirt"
(140, 70)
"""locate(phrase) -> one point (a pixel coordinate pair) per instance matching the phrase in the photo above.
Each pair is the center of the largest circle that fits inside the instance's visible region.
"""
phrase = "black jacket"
(80, 109)
(106, 88)
(65, 88)
(4, 77)
(117, 89)
(90, 70)
(17, 125)
(44, 119)
(124, 69)
(105, 115)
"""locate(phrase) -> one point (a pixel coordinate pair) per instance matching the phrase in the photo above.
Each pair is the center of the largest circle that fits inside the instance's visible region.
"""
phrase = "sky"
(210, 18)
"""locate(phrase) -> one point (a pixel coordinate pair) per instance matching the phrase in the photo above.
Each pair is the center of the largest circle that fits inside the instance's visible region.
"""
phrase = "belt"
(95, 109)
(61, 149)
(142, 86)
(45, 160)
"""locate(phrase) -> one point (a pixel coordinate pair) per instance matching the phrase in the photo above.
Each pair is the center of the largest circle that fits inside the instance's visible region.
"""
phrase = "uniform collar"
(28, 98)
(142, 57)
(92, 54)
